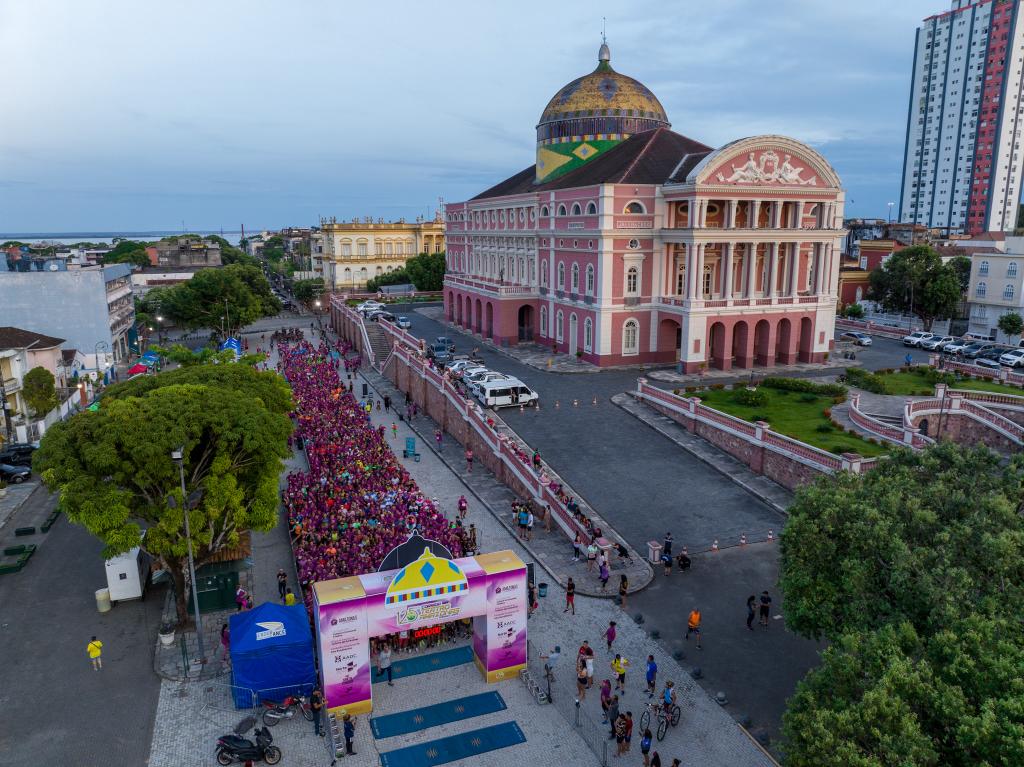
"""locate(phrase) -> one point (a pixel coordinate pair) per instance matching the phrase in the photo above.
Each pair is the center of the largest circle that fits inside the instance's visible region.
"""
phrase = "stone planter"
(167, 638)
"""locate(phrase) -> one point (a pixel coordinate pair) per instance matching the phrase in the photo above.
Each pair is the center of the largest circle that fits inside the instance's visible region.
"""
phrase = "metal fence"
(563, 698)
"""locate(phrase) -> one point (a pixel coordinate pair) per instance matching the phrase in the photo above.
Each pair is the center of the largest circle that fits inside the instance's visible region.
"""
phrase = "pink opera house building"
(629, 243)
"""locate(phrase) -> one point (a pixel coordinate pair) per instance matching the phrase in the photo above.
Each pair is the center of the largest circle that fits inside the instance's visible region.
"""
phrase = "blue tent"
(271, 653)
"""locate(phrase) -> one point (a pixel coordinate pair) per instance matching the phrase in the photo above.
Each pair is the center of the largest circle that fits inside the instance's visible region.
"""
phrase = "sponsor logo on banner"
(270, 629)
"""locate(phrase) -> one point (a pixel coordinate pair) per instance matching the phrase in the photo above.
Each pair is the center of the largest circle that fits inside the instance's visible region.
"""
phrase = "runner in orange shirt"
(693, 626)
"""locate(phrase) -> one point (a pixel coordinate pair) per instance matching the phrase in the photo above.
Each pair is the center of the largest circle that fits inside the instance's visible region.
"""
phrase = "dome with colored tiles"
(592, 114)
(428, 577)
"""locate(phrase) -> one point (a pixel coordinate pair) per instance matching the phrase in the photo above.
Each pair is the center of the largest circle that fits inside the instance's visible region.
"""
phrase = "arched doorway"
(489, 319)
(741, 351)
(573, 334)
(670, 339)
(458, 311)
(783, 334)
(478, 315)
(469, 313)
(451, 306)
(806, 339)
(763, 353)
(525, 322)
(718, 347)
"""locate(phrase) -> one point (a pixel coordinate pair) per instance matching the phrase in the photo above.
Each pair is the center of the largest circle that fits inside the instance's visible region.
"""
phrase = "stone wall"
(965, 430)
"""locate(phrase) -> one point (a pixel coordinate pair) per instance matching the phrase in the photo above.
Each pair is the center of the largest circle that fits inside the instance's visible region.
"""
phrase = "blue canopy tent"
(233, 345)
(271, 653)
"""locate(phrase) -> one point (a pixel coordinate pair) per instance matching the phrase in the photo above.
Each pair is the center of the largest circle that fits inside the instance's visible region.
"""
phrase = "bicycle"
(664, 718)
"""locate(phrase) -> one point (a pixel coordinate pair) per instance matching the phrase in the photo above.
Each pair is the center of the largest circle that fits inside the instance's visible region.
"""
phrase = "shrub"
(871, 382)
(823, 428)
(717, 387)
(759, 417)
(838, 449)
(808, 397)
(752, 397)
(676, 392)
(827, 412)
(803, 385)
(839, 399)
(691, 389)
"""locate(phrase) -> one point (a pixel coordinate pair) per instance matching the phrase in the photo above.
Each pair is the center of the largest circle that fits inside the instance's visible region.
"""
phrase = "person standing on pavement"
(225, 641)
(577, 545)
(618, 665)
(570, 597)
(655, 760)
(587, 653)
(609, 633)
(651, 676)
(606, 699)
(645, 747)
(666, 546)
(550, 660)
(282, 582)
(95, 651)
(591, 556)
(350, 733)
(613, 715)
(751, 600)
(289, 598)
(529, 524)
(387, 403)
(693, 625)
(623, 588)
(604, 575)
(438, 436)
(463, 506)
(766, 609)
(394, 430)
(469, 460)
(384, 663)
(619, 733)
(581, 678)
(629, 730)
(316, 703)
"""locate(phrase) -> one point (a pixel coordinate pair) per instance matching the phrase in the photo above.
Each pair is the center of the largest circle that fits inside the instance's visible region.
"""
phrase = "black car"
(14, 474)
(449, 343)
(439, 353)
(972, 351)
(17, 454)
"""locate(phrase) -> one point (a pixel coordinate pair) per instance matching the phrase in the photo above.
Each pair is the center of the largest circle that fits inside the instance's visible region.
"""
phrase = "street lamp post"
(178, 456)
(890, 204)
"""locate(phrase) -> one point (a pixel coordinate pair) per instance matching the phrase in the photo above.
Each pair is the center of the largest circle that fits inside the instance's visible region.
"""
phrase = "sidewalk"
(551, 549)
(775, 495)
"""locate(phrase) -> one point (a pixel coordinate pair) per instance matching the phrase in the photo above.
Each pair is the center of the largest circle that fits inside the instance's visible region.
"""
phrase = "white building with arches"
(647, 246)
(356, 251)
(996, 287)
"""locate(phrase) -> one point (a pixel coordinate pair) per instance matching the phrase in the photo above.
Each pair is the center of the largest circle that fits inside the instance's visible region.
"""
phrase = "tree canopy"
(115, 476)
(1011, 323)
(426, 271)
(128, 252)
(915, 574)
(39, 391)
(200, 302)
(307, 290)
(915, 281)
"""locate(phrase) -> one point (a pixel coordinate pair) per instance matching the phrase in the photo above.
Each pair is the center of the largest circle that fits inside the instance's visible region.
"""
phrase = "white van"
(506, 393)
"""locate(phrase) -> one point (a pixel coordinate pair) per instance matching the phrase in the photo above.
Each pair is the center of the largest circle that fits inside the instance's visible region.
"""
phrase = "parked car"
(403, 322)
(446, 341)
(439, 353)
(989, 359)
(488, 377)
(18, 453)
(14, 474)
(958, 346)
(973, 350)
(369, 306)
(467, 370)
(459, 363)
(935, 343)
(1013, 358)
(506, 393)
(286, 304)
(856, 337)
(915, 338)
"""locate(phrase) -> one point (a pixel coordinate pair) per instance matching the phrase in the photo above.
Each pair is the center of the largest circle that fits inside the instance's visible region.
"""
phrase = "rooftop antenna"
(604, 24)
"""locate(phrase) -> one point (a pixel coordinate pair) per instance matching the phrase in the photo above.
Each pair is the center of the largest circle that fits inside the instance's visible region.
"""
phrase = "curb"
(618, 400)
(504, 522)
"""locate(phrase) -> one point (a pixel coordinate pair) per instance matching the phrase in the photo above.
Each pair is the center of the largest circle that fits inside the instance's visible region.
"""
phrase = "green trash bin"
(216, 585)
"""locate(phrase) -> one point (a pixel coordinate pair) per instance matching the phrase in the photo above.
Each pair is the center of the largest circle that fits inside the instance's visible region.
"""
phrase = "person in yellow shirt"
(619, 669)
(693, 626)
(289, 598)
(95, 650)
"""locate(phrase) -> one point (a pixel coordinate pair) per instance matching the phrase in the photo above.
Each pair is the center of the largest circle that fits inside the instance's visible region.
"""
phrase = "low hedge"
(804, 385)
(751, 397)
(871, 382)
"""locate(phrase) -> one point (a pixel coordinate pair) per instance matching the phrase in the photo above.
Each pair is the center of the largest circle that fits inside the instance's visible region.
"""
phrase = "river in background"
(71, 238)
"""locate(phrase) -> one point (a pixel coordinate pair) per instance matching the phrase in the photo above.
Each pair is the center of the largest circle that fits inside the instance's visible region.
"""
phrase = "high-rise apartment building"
(962, 159)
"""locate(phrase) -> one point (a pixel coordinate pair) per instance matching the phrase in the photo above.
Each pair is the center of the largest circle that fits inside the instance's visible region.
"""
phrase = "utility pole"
(7, 409)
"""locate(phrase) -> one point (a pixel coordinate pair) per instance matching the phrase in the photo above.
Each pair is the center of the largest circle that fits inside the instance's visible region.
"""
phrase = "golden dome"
(603, 93)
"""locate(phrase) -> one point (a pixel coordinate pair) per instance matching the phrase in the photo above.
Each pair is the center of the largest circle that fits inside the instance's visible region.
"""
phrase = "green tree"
(854, 311)
(238, 292)
(916, 539)
(961, 265)
(229, 254)
(113, 470)
(39, 391)
(426, 271)
(128, 252)
(915, 281)
(1011, 324)
(307, 290)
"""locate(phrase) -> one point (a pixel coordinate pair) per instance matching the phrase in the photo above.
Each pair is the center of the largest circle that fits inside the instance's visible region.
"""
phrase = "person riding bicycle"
(668, 697)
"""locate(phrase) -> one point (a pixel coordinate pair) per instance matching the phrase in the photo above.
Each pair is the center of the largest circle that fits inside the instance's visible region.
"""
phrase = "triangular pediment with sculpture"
(766, 162)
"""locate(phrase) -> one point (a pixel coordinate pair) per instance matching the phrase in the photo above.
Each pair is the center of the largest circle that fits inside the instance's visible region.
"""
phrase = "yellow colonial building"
(356, 251)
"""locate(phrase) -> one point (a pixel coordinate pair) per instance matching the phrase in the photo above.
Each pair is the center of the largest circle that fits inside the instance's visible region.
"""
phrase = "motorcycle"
(275, 712)
(234, 748)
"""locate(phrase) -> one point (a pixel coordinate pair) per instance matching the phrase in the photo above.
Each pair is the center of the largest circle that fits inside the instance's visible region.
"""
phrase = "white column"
(797, 208)
(691, 269)
(755, 208)
(794, 269)
(751, 264)
(773, 269)
(696, 276)
(819, 263)
(776, 213)
(725, 269)
(733, 205)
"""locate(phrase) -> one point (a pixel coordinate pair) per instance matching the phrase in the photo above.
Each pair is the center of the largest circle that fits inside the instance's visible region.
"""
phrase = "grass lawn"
(796, 415)
(913, 383)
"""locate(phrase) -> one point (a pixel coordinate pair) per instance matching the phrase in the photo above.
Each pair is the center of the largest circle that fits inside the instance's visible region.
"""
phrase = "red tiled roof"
(651, 157)
(17, 338)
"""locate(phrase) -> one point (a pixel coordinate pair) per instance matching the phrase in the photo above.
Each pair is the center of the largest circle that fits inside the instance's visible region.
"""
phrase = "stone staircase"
(379, 342)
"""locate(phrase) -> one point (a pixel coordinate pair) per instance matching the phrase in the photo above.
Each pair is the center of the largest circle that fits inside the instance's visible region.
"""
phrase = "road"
(645, 485)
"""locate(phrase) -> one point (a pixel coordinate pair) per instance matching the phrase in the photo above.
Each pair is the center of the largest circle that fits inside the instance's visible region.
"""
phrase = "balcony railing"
(12, 385)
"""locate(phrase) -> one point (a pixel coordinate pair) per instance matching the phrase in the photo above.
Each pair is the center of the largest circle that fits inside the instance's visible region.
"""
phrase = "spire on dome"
(604, 53)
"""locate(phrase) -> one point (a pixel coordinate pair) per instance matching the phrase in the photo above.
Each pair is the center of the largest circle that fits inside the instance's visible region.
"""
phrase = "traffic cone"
(743, 540)
(714, 546)
(575, 403)
(522, 409)
(771, 536)
(557, 404)
(595, 400)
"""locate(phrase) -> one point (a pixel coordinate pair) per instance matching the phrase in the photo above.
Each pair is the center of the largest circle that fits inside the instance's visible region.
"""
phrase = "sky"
(128, 115)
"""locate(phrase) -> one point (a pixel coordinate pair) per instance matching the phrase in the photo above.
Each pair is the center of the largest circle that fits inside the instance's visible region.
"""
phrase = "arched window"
(544, 210)
(983, 268)
(561, 276)
(379, 272)
(681, 278)
(1008, 293)
(588, 335)
(980, 290)
(561, 210)
(590, 279)
(348, 275)
(576, 209)
(1011, 269)
(575, 278)
(544, 273)
(706, 282)
(558, 327)
(632, 280)
(389, 248)
(544, 321)
(363, 275)
(361, 247)
(631, 337)
(591, 209)
(634, 207)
